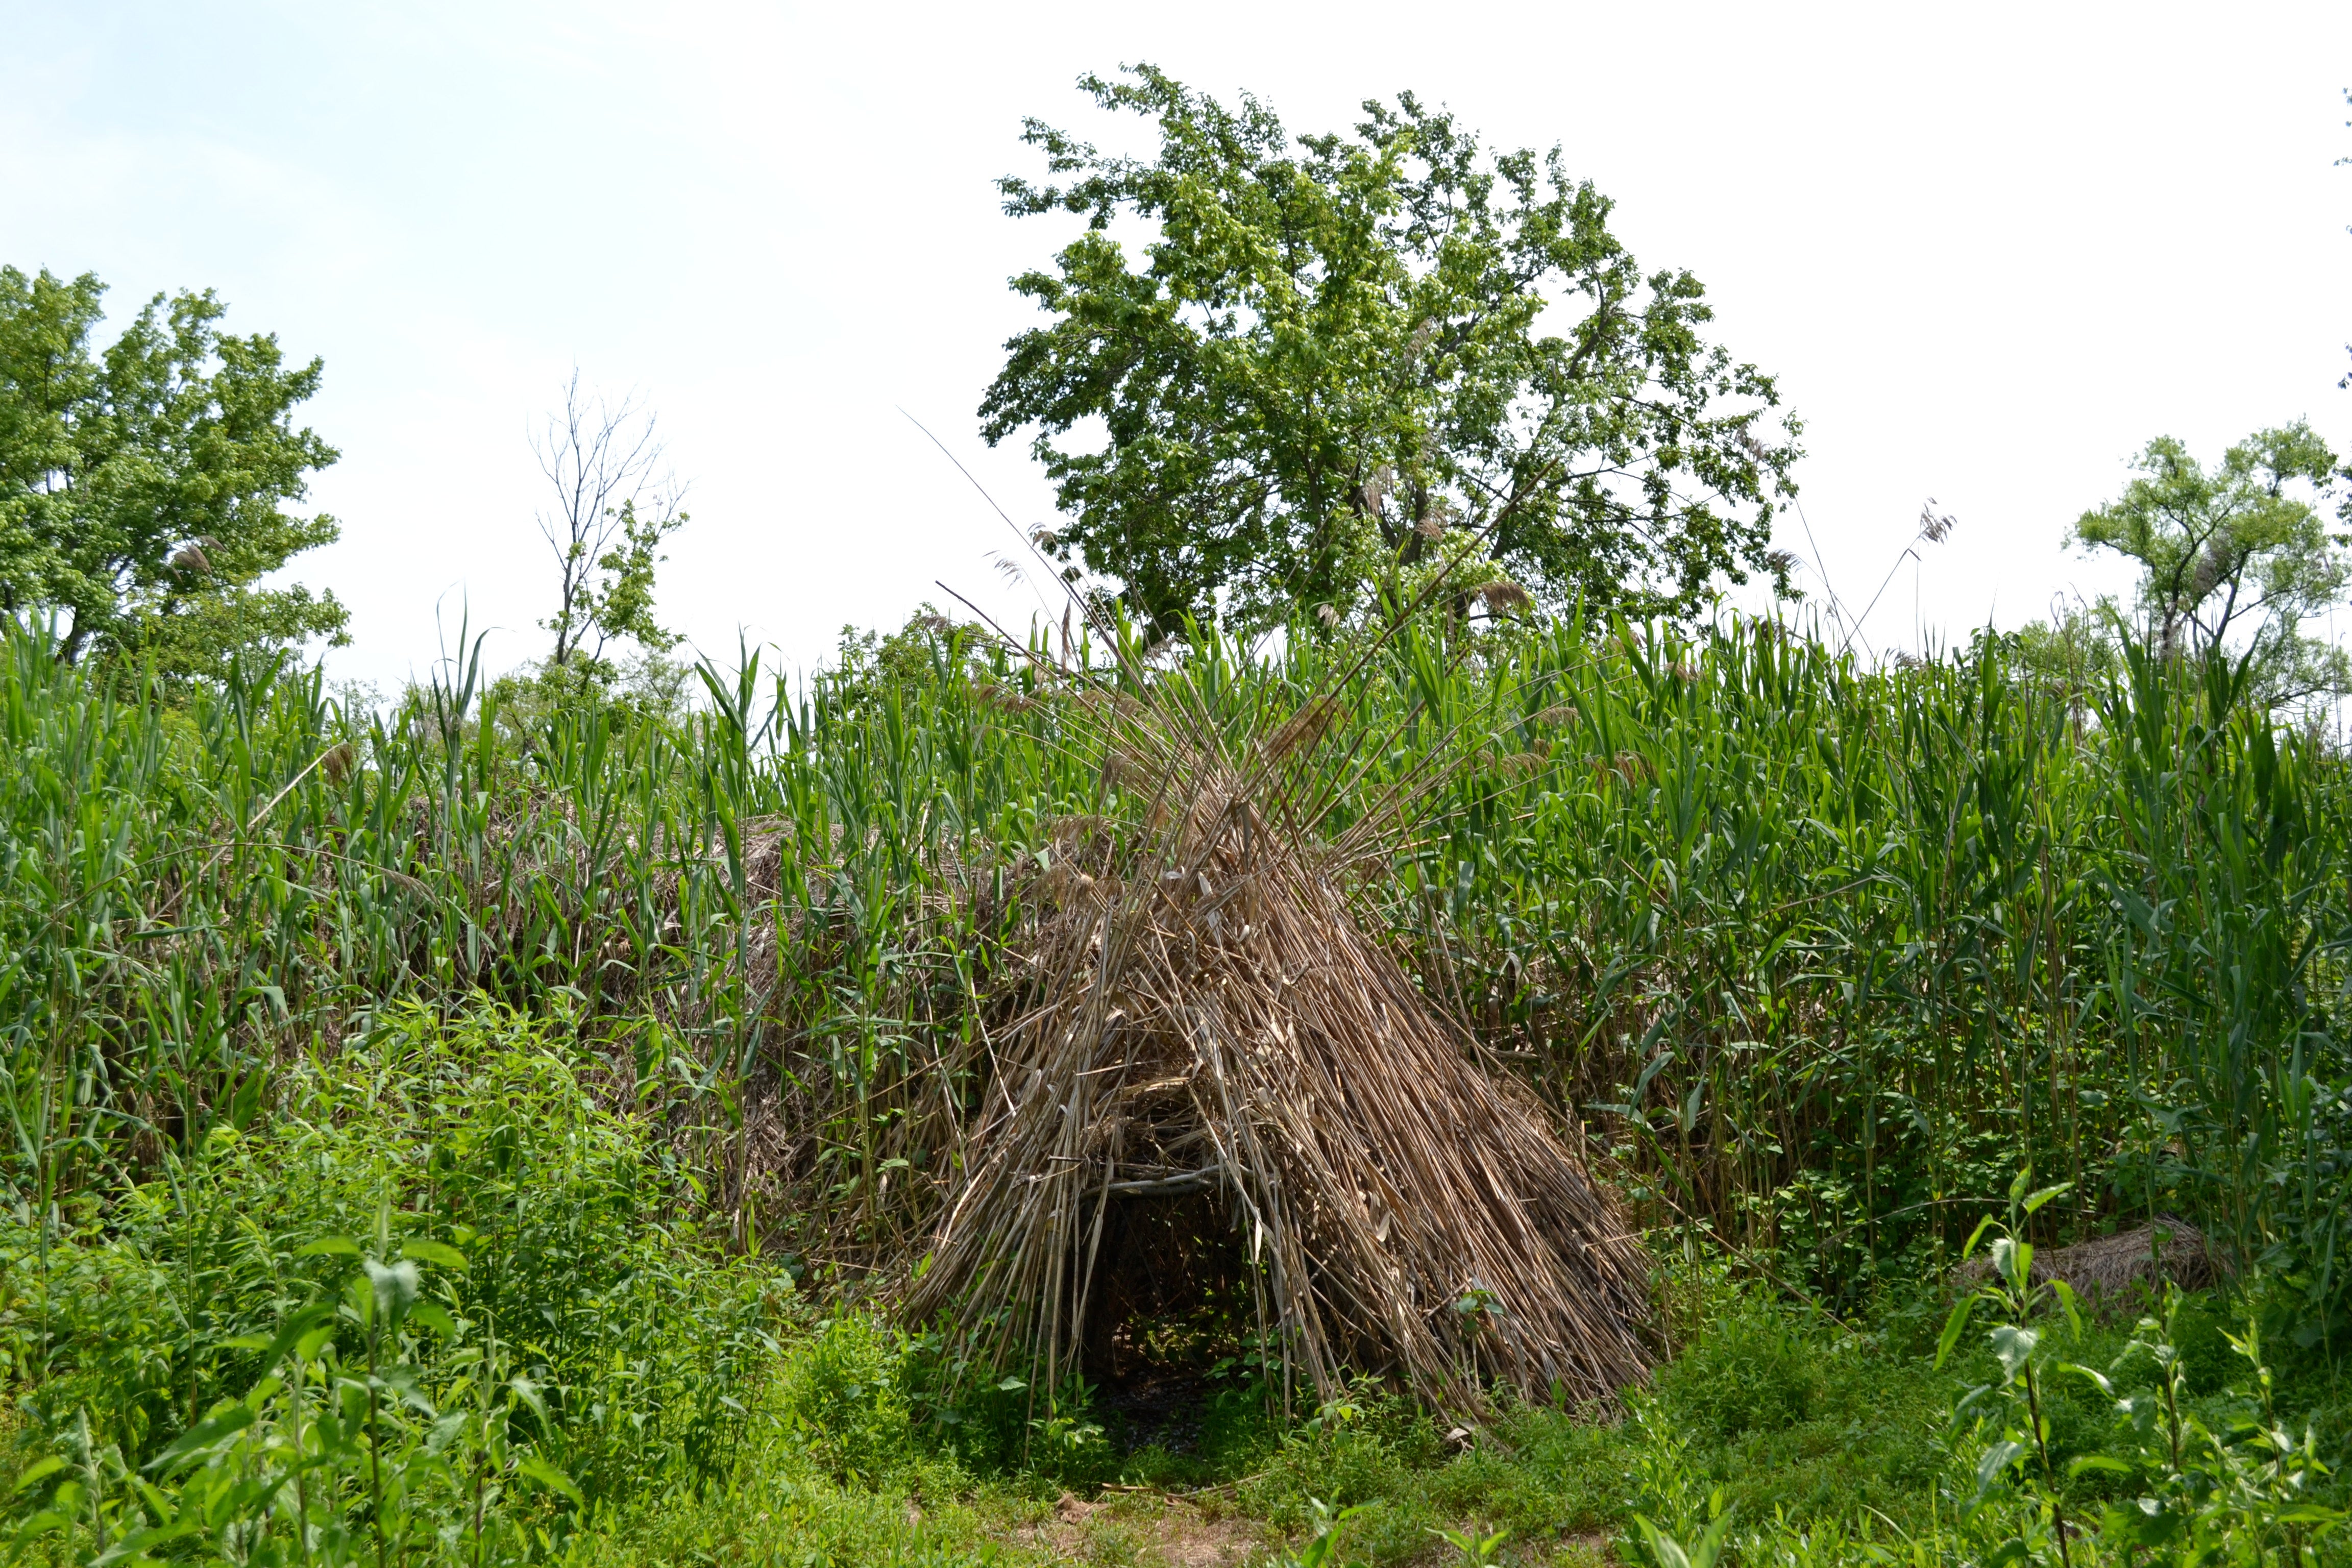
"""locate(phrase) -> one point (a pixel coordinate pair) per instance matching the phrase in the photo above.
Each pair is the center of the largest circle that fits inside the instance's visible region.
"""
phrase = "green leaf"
(132, 1550)
(439, 1254)
(434, 1317)
(39, 1471)
(2045, 1194)
(396, 1286)
(1664, 1549)
(2098, 1378)
(527, 1390)
(1954, 1327)
(532, 1468)
(2069, 1305)
(41, 1524)
(1710, 1545)
(224, 1423)
(2012, 1261)
(330, 1247)
(2101, 1463)
(296, 1334)
(1994, 1460)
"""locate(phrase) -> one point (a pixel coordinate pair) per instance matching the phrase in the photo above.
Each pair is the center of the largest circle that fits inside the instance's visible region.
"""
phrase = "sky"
(1989, 251)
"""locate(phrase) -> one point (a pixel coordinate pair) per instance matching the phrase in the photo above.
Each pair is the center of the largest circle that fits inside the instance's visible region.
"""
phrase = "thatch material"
(2112, 1269)
(1205, 1019)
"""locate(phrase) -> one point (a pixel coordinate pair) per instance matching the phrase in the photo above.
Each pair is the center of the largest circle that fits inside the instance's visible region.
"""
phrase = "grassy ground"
(1803, 1424)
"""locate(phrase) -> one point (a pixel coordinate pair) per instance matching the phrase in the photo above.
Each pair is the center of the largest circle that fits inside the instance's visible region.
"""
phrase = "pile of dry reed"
(1202, 1018)
(2120, 1271)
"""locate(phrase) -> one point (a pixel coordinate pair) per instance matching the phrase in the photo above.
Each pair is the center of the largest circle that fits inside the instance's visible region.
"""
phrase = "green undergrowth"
(433, 1283)
(1812, 1434)
(576, 1370)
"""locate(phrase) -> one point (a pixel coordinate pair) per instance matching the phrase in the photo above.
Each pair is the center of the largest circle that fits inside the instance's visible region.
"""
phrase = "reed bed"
(1805, 956)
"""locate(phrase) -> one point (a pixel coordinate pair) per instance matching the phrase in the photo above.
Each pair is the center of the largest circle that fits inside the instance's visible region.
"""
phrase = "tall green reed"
(1820, 952)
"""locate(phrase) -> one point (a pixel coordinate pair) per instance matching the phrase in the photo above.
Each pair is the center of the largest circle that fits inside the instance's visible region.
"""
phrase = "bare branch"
(599, 457)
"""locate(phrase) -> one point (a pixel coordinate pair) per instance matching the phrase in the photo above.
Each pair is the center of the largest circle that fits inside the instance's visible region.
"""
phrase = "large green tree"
(143, 489)
(1277, 369)
(2237, 556)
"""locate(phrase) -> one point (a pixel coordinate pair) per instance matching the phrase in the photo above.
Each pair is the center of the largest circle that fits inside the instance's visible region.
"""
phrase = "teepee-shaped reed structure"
(1204, 1020)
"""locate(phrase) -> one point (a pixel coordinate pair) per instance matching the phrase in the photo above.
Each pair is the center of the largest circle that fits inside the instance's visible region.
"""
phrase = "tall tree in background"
(615, 502)
(143, 490)
(1324, 354)
(2237, 556)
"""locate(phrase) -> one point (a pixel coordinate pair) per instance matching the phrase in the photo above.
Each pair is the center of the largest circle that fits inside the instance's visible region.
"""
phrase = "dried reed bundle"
(2107, 1269)
(1206, 1022)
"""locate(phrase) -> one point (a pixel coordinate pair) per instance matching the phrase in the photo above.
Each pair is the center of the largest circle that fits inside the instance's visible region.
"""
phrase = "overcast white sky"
(1989, 249)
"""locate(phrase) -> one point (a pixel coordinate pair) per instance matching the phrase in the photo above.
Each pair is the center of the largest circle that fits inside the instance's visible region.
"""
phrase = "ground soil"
(1152, 1530)
(1148, 1529)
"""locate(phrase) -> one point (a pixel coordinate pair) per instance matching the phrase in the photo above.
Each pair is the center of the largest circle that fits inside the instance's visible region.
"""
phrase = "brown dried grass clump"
(2111, 1270)
(1205, 1021)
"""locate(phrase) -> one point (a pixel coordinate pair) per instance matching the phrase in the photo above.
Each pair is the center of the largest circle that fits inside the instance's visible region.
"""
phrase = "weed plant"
(441, 1222)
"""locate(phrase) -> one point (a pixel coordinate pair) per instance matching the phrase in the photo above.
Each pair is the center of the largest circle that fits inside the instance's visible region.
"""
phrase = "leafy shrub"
(1753, 1370)
(561, 1259)
(844, 1390)
(345, 1450)
(1360, 1452)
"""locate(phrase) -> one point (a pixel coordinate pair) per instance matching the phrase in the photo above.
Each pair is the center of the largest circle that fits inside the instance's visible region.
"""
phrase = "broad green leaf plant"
(345, 1450)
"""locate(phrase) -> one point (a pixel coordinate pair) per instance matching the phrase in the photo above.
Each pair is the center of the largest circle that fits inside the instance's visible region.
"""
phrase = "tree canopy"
(1318, 356)
(2239, 554)
(142, 489)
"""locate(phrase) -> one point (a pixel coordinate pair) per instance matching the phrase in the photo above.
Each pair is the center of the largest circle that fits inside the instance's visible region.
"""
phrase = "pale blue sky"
(1989, 249)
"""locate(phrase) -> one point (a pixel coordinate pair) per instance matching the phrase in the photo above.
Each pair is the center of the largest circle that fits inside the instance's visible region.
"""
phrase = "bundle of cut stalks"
(1206, 1021)
(2111, 1271)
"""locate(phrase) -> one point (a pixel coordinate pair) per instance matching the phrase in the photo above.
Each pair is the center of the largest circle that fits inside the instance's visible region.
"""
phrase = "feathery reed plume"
(1935, 527)
(1504, 596)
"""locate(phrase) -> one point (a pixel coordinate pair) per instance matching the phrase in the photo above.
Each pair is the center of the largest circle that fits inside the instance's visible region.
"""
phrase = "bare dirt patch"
(1147, 1530)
